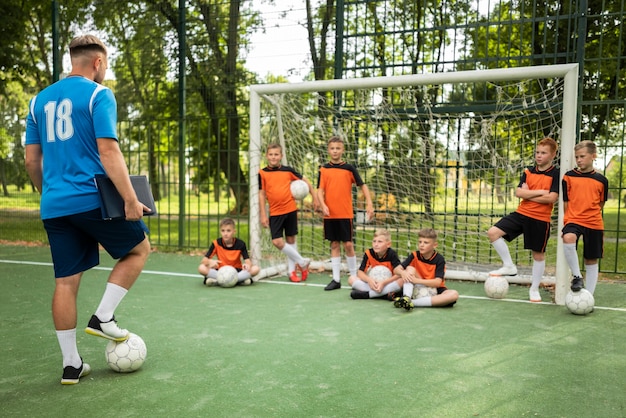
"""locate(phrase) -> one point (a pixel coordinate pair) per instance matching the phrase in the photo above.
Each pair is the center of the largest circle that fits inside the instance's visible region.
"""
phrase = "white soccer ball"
(496, 287)
(579, 303)
(126, 356)
(227, 276)
(379, 273)
(299, 189)
(423, 291)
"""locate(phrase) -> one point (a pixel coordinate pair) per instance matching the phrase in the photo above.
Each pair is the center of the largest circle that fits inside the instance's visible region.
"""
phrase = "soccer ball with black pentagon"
(126, 356)
(579, 303)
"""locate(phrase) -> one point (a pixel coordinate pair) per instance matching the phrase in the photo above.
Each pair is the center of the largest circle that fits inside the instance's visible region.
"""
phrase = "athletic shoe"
(504, 271)
(403, 302)
(359, 294)
(333, 285)
(71, 375)
(246, 282)
(304, 270)
(534, 295)
(294, 277)
(108, 330)
(208, 281)
(577, 284)
(391, 296)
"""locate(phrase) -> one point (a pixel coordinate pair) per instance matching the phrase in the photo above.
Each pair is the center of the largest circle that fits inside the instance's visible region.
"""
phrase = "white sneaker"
(504, 271)
(208, 281)
(534, 295)
(108, 330)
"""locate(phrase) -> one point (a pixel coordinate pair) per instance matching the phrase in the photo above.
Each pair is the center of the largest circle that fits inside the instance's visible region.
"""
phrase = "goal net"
(443, 150)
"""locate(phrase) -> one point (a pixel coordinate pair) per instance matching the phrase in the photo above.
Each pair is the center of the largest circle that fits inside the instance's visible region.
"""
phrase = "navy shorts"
(74, 240)
(592, 238)
(536, 232)
(286, 224)
(338, 230)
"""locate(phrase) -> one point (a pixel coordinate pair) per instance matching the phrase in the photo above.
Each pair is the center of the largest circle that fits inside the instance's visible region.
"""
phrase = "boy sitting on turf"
(381, 254)
(229, 250)
(426, 269)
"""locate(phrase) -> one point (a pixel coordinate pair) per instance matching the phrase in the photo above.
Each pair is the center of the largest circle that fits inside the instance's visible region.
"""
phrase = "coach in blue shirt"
(71, 137)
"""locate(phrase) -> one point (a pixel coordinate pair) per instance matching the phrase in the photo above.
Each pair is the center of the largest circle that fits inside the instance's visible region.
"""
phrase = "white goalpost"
(441, 150)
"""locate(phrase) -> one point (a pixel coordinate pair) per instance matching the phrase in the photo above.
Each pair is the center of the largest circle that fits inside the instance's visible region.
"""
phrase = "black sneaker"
(333, 285)
(108, 330)
(71, 375)
(359, 294)
(577, 284)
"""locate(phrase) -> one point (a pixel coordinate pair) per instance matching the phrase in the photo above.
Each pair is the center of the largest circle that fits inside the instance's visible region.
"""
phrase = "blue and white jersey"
(65, 119)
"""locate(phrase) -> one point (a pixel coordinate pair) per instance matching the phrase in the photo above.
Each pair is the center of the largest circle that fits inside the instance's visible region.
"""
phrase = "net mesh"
(444, 156)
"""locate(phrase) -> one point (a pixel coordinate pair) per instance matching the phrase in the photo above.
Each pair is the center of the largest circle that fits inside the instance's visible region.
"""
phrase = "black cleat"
(577, 284)
(333, 285)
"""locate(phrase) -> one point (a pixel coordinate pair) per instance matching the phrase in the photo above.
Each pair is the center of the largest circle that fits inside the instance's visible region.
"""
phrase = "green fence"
(202, 174)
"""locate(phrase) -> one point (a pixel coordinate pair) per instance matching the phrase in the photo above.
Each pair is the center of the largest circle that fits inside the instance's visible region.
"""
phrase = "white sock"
(292, 254)
(407, 289)
(591, 278)
(212, 274)
(113, 295)
(538, 269)
(572, 259)
(335, 262)
(391, 287)
(503, 251)
(351, 261)
(243, 275)
(424, 302)
(69, 350)
(361, 286)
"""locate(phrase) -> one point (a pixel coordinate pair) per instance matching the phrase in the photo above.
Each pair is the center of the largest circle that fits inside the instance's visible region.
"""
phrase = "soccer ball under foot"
(579, 303)
(126, 356)
(496, 287)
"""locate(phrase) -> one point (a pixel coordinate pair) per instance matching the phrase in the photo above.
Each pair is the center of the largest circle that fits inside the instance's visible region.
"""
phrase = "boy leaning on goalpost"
(538, 190)
(274, 188)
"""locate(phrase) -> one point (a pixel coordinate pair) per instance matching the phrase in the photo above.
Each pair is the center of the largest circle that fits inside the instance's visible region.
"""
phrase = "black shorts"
(536, 232)
(340, 230)
(286, 224)
(74, 240)
(592, 238)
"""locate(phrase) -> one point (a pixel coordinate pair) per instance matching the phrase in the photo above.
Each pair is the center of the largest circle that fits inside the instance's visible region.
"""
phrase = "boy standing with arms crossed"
(274, 187)
(539, 190)
(584, 194)
(335, 182)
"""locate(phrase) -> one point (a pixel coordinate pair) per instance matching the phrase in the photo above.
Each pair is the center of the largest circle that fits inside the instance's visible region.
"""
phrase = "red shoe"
(294, 277)
(304, 272)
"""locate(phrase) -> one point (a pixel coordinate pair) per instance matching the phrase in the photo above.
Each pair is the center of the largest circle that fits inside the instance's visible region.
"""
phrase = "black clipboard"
(112, 204)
